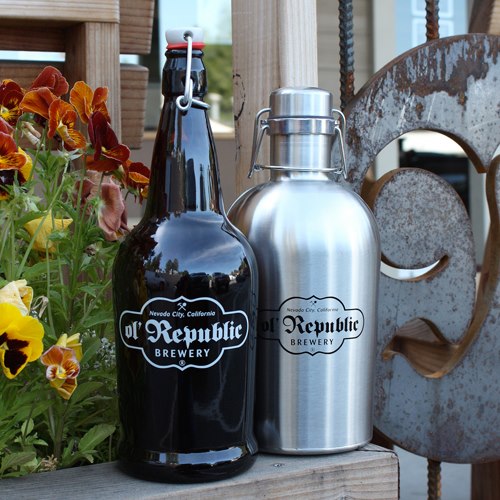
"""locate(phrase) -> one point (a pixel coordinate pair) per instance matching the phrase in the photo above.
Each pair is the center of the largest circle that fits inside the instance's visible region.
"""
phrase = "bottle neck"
(308, 152)
(174, 73)
(184, 171)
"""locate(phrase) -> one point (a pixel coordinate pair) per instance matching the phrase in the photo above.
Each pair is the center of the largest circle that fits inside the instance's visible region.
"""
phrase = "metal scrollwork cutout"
(438, 389)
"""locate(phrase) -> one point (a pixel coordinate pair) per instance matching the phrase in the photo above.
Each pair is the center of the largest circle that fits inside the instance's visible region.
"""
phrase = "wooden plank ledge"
(66, 11)
(368, 473)
(48, 34)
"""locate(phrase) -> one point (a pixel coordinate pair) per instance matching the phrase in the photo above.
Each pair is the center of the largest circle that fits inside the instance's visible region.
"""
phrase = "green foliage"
(219, 63)
(57, 412)
(40, 431)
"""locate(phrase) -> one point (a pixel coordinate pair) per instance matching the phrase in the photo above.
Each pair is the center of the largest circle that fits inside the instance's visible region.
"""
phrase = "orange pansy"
(52, 79)
(62, 120)
(62, 369)
(38, 101)
(137, 177)
(86, 101)
(14, 163)
(11, 95)
(109, 153)
(10, 157)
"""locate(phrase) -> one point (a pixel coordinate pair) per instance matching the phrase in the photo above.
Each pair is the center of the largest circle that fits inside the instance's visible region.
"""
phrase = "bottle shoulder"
(298, 199)
(316, 219)
(188, 254)
(297, 188)
(189, 233)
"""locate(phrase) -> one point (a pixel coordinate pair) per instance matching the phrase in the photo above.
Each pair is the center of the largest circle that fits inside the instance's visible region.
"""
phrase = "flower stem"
(78, 251)
(12, 260)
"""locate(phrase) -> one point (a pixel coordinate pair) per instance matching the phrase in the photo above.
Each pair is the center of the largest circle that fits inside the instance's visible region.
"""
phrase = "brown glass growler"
(185, 301)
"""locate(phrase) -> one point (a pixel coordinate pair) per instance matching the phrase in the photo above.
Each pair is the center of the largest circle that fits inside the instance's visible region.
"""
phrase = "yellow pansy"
(73, 342)
(42, 228)
(62, 369)
(27, 168)
(19, 294)
(20, 340)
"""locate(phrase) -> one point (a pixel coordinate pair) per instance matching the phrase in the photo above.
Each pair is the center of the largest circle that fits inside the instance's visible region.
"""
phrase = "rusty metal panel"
(438, 357)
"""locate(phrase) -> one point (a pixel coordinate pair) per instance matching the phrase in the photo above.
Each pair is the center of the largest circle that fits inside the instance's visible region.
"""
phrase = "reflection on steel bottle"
(318, 255)
(184, 290)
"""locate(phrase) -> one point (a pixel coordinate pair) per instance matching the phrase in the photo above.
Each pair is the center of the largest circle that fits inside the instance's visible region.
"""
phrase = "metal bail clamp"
(184, 102)
(262, 126)
(259, 129)
(340, 132)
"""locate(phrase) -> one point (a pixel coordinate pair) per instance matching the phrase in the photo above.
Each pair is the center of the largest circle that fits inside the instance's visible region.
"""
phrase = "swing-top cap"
(300, 102)
(300, 111)
(176, 38)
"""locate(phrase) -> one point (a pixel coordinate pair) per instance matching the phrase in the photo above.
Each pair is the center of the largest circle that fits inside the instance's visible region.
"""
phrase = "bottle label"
(183, 333)
(311, 325)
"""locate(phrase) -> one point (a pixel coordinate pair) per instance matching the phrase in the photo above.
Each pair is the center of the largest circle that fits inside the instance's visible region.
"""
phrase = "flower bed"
(63, 179)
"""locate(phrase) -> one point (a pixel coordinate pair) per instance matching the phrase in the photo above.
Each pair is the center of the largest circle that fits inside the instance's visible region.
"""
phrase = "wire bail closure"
(262, 126)
(184, 102)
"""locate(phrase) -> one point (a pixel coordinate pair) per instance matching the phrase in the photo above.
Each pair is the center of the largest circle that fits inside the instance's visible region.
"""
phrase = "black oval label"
(183, 333)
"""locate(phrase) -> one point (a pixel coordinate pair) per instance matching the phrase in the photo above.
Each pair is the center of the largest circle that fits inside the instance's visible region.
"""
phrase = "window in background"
(410, 21)
(25, 55)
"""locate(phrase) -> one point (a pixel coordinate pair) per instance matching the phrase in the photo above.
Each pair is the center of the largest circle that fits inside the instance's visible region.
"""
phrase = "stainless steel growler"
(318, 254)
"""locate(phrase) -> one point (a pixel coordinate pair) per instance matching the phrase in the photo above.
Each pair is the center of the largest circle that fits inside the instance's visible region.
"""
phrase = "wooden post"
(274, 45)
(485, 481)
(93, 55)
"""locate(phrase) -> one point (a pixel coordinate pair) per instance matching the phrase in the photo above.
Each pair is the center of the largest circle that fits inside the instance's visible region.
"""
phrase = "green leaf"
(16, 460)
(34, 271)
(91, 290)
(90, 348)
(27, 427)
(99, 319)
(73, 458)
(95, 436)
(67, 453)
(39, 442)
(29, 217)
(88, 456)
(83, 391)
